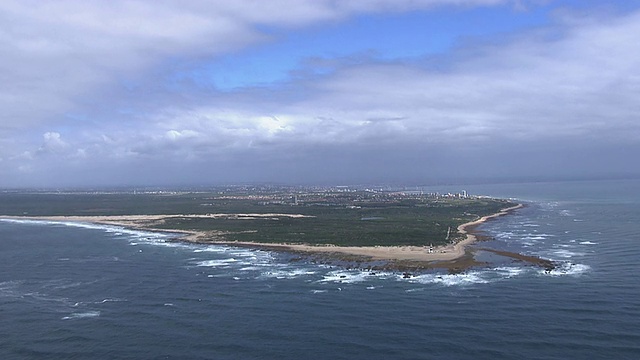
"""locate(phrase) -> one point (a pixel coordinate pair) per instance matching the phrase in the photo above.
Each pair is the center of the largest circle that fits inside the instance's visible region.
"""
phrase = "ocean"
(80, 291)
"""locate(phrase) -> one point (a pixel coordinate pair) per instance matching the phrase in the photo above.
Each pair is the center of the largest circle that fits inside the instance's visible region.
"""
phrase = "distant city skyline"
(144, 93)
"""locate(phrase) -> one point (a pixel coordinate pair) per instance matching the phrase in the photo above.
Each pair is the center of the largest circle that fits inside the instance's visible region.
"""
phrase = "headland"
(390, 229)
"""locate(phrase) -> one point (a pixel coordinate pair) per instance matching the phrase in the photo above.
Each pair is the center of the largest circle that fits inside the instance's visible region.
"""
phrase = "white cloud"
(575, 81)
(53, 143)
(578, 84)
(175, 135)
(55, 55)
(529, 87)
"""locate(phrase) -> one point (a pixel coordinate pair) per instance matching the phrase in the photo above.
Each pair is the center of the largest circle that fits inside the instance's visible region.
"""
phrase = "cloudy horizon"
(298, 91)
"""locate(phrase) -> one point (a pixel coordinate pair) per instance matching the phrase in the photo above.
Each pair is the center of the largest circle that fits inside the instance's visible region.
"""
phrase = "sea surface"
(81, 291)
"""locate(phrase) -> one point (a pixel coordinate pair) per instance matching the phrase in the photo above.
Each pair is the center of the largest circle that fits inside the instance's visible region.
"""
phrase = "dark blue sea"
(80, 291)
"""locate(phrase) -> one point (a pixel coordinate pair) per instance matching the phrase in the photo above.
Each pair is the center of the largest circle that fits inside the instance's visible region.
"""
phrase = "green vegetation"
(349, 218)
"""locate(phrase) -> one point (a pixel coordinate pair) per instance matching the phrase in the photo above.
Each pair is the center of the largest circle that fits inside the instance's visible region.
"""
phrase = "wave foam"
(536, 237)
(213, 249)
(588, 243)
(351, 277)
(567, 268)
(219, 263)
(509, 272)
(448, 279)
(287, 273)
(109, 300)
(82, 315)
(566, 254)
(343, 277)
(113, 229)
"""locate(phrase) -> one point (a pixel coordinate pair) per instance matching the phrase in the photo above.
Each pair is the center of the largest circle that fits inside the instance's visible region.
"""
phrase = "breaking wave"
(82, 315)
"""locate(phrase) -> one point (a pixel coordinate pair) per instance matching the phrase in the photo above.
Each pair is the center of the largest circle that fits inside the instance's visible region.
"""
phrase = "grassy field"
(353, 219)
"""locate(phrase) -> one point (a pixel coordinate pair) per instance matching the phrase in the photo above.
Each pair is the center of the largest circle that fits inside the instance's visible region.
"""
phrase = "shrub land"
(341, 217)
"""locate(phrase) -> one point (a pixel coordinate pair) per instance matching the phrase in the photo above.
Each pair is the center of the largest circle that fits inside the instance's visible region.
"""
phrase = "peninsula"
(398, 226)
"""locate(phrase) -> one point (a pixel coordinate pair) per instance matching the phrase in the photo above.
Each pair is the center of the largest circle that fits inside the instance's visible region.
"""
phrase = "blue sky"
(317, 91)
(409, 36)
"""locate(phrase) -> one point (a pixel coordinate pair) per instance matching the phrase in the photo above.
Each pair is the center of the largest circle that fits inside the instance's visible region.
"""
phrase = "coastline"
(419, 254)
(416, 255)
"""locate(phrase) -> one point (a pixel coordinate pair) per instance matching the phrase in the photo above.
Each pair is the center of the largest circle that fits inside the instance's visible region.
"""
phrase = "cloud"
(52, 144)
(98, 73)
(574, 81)
(55, 56)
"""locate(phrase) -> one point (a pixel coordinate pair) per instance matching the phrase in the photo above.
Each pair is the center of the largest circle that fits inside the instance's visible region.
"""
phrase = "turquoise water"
(73, 291)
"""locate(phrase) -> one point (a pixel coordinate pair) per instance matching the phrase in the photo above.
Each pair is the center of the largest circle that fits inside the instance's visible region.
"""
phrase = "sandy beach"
(390, 253)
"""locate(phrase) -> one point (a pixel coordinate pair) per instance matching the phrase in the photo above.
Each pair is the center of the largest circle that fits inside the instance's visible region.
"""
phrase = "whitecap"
(81, 315)
(287, 274)
(32, 221)
(218, 263)
(567, 268)
(318, 291)
(116, 230)
(505, 235)
(109, 300)
(448, 279)
(248, 259)
(251, 268)
(350, 277)
(414, 290)
(215, 249)
(509, 272)
(223, 249)
(171, 243)
(9, 288)
(536, 237)
(588, 243)
(566, 253)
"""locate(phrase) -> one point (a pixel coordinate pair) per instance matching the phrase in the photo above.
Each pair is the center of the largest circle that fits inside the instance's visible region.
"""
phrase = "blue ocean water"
(79, 291)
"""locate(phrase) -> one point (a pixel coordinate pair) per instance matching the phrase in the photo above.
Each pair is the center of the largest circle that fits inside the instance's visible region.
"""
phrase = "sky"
(412, 92)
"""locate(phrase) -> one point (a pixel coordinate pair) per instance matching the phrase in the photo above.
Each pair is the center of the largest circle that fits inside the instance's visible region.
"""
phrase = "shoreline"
(416, 255)
(385, 253)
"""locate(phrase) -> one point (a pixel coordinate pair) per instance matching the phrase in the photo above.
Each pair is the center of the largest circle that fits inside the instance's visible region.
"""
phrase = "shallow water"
(84, 291)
